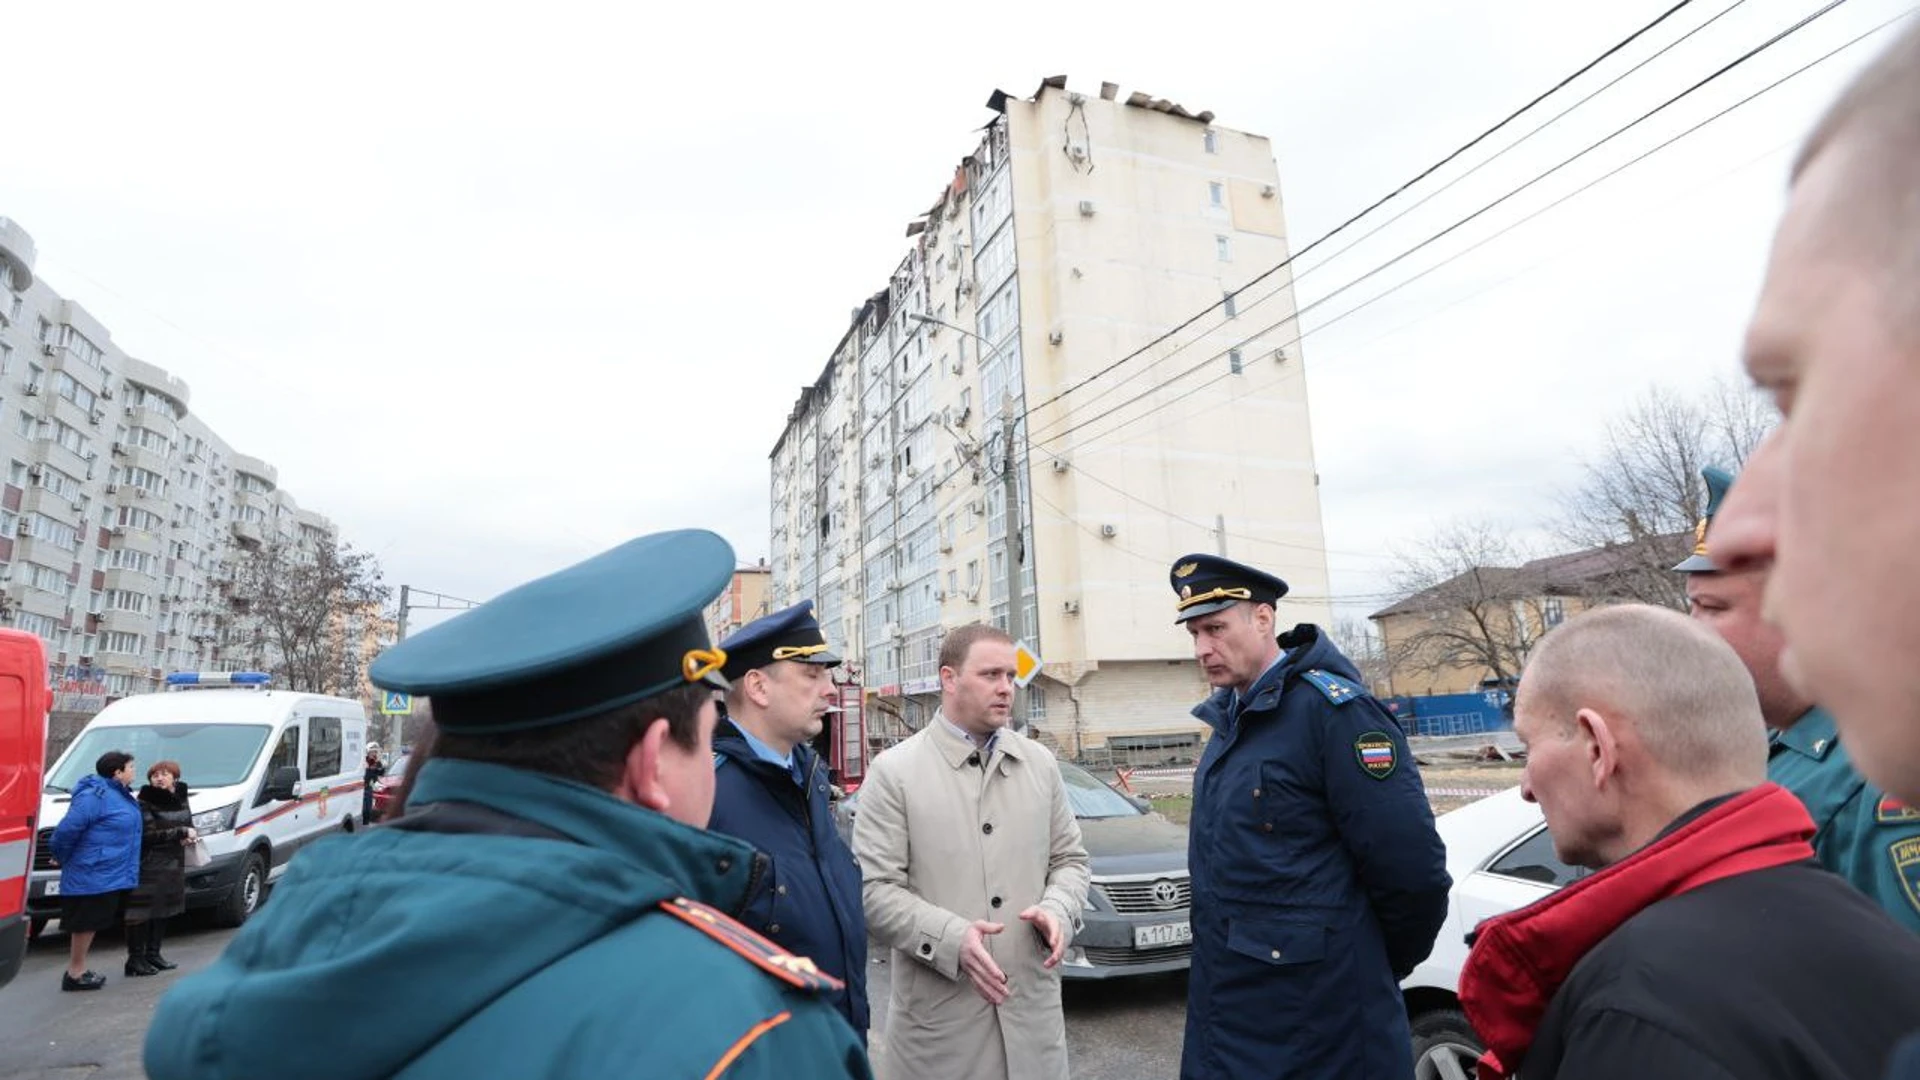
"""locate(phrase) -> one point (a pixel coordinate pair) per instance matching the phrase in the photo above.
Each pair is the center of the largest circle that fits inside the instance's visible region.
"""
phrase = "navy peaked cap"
(788, 634)
(1205, 584)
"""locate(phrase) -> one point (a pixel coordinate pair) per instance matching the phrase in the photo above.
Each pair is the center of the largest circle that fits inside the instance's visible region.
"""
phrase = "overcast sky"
(499, 286)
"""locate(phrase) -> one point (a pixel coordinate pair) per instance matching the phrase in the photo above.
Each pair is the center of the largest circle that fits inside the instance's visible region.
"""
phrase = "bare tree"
(1472, 604)
(1360, 642)
(1641, 495)
(288, 604)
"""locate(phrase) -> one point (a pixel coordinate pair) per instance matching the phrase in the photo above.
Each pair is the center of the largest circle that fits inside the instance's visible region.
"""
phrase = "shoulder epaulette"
(1338, 690)
(761, 953)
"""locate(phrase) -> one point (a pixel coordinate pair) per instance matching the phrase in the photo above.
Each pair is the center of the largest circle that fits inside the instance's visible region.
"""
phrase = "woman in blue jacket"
(98, 847)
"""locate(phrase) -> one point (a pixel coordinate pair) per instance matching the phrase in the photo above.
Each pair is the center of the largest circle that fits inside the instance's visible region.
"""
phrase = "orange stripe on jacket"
(740, 1047)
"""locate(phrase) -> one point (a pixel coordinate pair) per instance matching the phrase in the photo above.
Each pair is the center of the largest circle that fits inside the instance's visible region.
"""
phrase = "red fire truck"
(25, 700)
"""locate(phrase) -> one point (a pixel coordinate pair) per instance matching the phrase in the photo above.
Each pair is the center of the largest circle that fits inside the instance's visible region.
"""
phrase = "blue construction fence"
(1453, 714)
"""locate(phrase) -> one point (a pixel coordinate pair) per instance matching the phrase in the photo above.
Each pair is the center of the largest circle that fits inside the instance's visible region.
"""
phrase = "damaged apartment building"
(1031, 303)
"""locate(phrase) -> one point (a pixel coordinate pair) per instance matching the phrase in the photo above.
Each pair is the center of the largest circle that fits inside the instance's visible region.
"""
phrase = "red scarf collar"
(1520, 959)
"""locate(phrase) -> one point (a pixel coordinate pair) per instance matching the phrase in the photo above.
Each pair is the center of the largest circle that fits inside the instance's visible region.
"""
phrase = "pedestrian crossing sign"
(394, 703)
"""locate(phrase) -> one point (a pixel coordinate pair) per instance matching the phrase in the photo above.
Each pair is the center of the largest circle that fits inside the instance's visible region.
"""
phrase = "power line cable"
(1497, 155)
(1424, 200)
(1522, 221)
(1403, 256)
(1375, 205)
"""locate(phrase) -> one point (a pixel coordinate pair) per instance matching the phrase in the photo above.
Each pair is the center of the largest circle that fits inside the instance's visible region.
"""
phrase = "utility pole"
(397, 725)
(1220, 534)
(1016, 544)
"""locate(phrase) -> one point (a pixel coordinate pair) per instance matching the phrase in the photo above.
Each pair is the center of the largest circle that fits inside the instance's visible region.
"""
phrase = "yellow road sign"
(1026, 663)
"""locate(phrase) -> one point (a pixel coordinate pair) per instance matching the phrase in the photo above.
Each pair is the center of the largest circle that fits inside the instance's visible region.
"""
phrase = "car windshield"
(1092, 799)
(210, 755)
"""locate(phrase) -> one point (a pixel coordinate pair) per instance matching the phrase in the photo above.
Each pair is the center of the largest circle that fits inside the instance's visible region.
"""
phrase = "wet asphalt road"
(1128, 1029)
(1125, 1029)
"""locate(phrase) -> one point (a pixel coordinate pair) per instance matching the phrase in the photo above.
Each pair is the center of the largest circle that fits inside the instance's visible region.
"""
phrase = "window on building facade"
(1223, 248)
(1216, 193)
(1211, 140)
(1230, 305)
(83, 350)
(1235, 362)
(69, 387)
(69, 436)
(1553, 612)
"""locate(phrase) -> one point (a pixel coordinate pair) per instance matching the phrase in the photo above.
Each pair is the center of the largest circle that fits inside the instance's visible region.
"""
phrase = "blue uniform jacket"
(98, 842)
(508, 956)
(809, 903)
(1319, 879)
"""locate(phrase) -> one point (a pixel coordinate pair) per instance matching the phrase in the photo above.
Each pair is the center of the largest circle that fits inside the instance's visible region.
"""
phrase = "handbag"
(197, 854)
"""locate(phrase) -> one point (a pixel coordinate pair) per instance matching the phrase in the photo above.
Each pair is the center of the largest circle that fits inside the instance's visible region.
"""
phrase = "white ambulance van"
(268, 772)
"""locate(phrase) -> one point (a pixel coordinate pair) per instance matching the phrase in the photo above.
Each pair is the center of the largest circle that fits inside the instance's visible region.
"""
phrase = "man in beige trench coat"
(975, 878)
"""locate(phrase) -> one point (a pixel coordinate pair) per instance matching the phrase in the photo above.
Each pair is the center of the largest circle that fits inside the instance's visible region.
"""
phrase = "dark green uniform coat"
(498, 955)
(1861, 833)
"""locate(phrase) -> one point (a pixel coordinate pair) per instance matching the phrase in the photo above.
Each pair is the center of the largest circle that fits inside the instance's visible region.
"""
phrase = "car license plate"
(53, 888)
(1164, 934)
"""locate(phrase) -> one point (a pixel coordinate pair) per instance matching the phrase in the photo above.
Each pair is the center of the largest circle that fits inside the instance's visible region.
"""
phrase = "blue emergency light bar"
(218, 678)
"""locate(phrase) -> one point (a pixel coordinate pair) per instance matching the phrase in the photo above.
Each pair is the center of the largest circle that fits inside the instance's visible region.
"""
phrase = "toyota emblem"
(1166, 893)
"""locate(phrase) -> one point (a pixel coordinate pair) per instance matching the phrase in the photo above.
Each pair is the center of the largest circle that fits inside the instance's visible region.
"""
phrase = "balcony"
(248, 532)
(37, 601)
(254, 467)
(16, 255)
(131, 580)
(155, 380)
(39, 500)
(134, 540)
(137, 455)
(131, 622)
(125, 494)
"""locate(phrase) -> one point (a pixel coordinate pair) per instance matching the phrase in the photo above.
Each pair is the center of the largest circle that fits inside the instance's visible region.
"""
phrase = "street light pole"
(1016, 530)
(397, 725)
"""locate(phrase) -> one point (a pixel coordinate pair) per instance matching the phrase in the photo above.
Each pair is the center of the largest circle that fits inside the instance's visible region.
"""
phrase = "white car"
(1501, 858)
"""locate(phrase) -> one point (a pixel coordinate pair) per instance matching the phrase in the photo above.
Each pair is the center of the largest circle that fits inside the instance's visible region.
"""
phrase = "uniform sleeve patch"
(1377, 754)
(1892, 811)
(1338, 690)
(763, 954)
(1906, 865)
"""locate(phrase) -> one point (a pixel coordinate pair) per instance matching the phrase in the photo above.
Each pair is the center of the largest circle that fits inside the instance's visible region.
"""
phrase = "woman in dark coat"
(167, 829)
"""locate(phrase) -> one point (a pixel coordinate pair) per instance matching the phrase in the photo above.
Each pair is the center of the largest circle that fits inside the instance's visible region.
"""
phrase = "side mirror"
(284, 784)
(1140, 803)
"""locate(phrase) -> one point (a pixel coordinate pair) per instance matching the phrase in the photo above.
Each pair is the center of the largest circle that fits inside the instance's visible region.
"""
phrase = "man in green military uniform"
(550, 904)
(1862, 834)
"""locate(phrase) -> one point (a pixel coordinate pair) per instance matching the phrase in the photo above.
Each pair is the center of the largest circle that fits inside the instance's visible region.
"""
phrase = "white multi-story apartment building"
(121, 511)
(1034, 298)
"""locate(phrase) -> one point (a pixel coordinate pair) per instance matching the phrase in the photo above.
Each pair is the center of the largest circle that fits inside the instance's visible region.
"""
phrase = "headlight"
(1075, 957)
(208, 822)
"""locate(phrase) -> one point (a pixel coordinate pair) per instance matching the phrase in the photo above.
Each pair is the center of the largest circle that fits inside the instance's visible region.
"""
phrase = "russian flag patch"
(1376, 754)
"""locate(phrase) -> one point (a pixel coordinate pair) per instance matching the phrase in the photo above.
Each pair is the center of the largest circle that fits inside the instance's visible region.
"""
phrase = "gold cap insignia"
(1700, 537)
(1185, 569)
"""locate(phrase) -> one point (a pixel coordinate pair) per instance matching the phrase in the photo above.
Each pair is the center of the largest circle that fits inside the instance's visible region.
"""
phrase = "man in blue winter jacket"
(770, 789)
(1319, 880)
